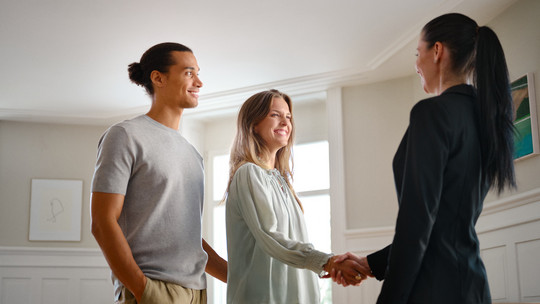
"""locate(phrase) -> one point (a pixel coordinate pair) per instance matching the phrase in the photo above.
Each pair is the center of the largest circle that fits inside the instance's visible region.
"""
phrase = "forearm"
(216, 266)
(119, 257)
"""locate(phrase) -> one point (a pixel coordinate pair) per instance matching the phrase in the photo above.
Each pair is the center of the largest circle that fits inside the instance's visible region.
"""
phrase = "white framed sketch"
(55, 210)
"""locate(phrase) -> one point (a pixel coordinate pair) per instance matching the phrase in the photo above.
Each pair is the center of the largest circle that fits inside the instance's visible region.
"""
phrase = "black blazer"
(434, 256)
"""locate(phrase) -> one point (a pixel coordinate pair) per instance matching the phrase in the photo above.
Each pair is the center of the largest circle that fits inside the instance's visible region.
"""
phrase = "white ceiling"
(66, 60)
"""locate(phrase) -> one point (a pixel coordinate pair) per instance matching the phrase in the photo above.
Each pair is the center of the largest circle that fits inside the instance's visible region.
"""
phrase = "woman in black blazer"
(457, 146)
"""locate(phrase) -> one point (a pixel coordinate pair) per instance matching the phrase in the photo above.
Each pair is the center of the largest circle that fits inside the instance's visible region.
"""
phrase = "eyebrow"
(279, 112)
(191, 68)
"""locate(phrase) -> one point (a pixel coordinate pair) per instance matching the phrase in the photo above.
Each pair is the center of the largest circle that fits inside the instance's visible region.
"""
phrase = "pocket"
(125, 297)
(146, 296)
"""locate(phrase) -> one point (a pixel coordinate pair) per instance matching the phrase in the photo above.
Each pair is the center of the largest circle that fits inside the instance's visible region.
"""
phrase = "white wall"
(39, 271)
(54, 276)
(375, 117)
(46, 151)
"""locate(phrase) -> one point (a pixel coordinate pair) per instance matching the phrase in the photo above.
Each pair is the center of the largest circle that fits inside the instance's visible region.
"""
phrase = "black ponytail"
(477, 52)
(495, 108)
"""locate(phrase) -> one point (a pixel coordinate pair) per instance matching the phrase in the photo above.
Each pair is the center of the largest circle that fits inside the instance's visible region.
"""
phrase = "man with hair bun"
(148, 190)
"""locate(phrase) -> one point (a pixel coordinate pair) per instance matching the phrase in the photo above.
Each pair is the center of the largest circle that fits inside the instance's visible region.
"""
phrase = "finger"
(352, 256)
(359, 277)
(340, 278)
(333, 274)
(340, 258)
(346, 282)
(343, 257)
(362, 270)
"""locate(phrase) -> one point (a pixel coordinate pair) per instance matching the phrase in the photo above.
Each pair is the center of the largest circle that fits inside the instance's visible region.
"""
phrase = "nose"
(198, 83)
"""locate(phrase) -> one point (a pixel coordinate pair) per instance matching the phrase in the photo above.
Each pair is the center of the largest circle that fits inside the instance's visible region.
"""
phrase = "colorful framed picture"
(55, 210)
(525, 118)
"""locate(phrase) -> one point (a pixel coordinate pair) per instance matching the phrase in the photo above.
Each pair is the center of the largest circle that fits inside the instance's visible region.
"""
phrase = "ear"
(438, 49)
(158, 79)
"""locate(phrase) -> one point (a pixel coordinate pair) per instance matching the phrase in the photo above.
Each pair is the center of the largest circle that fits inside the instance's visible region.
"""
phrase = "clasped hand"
(348, 269)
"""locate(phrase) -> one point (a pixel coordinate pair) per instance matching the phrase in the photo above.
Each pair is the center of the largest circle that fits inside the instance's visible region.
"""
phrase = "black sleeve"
(378, 261)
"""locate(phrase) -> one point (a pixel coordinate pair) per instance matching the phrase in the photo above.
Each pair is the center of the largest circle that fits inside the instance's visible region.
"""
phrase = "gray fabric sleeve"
(114, 162)
(255, 196)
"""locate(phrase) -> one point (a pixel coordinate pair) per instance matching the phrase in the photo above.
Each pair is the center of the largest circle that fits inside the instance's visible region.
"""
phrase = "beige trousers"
(159, 292)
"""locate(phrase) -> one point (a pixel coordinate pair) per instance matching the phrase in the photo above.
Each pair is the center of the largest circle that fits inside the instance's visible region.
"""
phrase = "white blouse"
(270, 258)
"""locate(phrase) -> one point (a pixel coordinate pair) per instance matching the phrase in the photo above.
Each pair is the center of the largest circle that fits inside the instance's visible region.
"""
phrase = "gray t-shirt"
(161, 175)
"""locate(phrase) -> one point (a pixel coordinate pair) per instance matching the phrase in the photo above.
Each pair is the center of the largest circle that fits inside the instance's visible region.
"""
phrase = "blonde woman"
(270, 257)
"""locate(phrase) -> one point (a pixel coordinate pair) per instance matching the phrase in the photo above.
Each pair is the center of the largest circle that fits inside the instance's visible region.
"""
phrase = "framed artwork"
(55, 210)
(525, 118)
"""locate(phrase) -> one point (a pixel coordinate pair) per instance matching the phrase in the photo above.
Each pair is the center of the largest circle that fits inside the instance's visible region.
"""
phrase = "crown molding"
(209, 104)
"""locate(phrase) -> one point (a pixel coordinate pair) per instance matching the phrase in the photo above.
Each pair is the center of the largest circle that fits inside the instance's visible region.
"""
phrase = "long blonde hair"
(248, 145)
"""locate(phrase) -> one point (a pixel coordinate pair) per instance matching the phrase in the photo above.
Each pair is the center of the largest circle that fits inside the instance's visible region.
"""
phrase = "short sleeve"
(114, 163)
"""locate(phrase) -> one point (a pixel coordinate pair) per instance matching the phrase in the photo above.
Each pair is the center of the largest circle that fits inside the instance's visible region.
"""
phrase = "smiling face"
(180, 85)
(426, 65)
(275, 129)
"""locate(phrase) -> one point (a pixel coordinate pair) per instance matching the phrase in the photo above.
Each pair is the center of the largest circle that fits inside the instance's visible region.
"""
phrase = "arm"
(255, 200)
(105, 211)
(216, 266)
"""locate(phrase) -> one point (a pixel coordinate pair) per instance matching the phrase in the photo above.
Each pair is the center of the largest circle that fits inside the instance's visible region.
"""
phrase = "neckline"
(160, 125)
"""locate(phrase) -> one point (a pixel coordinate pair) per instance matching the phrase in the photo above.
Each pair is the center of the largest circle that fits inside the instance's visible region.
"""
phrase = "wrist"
(140, 289)
(326, 268)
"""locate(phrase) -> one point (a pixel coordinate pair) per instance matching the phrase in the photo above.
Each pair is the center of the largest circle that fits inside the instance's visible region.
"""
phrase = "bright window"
(220, 176)
(312, 183)
(311, 170)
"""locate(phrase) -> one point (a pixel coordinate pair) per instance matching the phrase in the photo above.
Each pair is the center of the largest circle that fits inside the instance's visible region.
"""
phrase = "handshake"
(347, 269)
